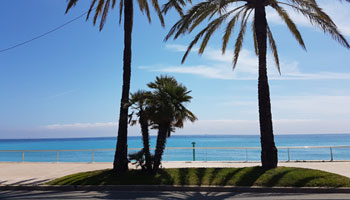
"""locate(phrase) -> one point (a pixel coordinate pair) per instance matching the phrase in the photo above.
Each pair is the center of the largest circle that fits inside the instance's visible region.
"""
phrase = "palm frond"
(240, 37)
(273, 48)
(156, 7)
(98, 10)
(201, 14)
(229, 29)
(177, 4)
(254, 38)
(311, 6)
(113, 3)
(143, 5)
(121, 6)
(71, 4)
(327, 26)
(90, 9)
(290, 24)
(104, 14)
(182, 26)
(214, 25)
(194, 41)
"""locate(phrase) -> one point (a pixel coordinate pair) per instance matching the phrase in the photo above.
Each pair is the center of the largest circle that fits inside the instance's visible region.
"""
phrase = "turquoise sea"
(180, 154)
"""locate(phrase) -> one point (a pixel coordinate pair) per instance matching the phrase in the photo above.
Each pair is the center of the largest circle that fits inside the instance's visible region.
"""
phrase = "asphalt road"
(50, 195)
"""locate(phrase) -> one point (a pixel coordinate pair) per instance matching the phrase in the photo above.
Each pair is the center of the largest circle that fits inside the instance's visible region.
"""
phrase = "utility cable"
(44, 34)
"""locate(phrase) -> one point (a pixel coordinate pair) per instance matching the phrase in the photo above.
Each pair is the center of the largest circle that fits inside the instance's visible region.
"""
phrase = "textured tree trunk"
(120, 164)
(161, 141)
(145, 140)
(268, 149)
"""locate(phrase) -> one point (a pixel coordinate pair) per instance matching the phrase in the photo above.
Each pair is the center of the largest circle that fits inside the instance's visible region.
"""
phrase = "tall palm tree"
(233, 11)
(139, 103)
(167, 111)
(120, 164)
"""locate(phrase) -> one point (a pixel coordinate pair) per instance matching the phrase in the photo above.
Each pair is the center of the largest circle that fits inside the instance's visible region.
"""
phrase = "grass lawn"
(247, 176)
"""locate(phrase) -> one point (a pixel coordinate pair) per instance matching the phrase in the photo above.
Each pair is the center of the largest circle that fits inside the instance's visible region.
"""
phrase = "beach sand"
(37, 173)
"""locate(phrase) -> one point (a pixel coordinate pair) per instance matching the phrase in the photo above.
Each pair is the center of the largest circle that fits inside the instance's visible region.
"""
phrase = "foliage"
(167, 103)
(103, 6)
(139, 159)
(237, 14)
(164, 109)
(168, 111)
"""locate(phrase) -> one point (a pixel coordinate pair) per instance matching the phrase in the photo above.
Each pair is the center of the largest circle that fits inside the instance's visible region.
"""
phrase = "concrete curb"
(177, 188)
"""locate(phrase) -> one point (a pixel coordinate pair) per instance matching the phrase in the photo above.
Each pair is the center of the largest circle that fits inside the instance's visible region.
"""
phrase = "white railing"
(166, 152)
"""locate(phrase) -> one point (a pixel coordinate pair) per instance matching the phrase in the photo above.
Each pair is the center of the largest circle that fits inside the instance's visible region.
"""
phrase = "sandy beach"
(38, 173)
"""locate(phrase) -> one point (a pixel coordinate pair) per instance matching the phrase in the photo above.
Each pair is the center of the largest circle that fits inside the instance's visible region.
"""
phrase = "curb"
(177, 188)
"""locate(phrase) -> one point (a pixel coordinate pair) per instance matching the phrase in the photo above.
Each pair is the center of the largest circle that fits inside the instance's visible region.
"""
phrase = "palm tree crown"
(103, 6)
(168, 103)
(233, 11)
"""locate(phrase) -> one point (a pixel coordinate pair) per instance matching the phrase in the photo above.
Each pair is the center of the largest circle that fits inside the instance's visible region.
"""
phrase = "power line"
(44, 34)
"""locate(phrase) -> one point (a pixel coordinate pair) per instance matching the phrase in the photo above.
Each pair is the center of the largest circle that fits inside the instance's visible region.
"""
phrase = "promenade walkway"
(38, 173)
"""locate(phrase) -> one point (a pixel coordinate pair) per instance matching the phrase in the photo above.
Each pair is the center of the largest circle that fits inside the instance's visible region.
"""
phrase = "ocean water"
(181, 154)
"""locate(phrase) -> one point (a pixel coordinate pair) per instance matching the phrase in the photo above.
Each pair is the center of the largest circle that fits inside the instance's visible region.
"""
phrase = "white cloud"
(309, 107)
(61, 94)
(312, 107)
(339, 12)
(214, 127)
(217, 72)
(220, 67)
(200, 127)
(281, 126)
(178, 47)
(79, 126)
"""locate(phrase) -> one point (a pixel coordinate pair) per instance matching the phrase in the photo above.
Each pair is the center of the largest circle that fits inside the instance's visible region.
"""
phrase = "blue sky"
(68, 83)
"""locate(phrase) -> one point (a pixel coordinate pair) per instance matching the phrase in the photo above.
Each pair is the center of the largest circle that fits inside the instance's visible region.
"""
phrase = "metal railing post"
(93, 157)
(57, 158)
(167, 154)
(330, 148)
(22, 156)
(206, 155)
(194, 151)
(288, 156)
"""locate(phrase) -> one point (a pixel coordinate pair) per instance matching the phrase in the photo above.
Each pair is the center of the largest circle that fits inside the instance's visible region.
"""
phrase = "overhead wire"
(44, 34)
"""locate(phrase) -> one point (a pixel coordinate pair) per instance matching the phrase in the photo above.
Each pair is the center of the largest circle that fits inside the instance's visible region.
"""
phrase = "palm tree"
(167, 111)
(120, 164)
(232, 11)
(139, 103)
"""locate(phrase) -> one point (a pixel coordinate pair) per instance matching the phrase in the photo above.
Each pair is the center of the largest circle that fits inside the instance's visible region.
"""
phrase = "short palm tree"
(139, 103)
(168, 111)
(102, 7)
(233, 12)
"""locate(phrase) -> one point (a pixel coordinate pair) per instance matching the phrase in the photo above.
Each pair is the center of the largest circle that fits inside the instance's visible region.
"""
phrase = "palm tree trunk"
(120, 164)
(268, 149)
(145, 140)
(161, 141)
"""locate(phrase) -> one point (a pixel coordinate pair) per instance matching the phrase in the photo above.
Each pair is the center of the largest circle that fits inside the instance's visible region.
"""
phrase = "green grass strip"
(248, 176)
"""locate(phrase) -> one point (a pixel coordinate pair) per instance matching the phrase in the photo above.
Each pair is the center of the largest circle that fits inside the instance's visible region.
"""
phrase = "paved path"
(37, 173)
(34, 195)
